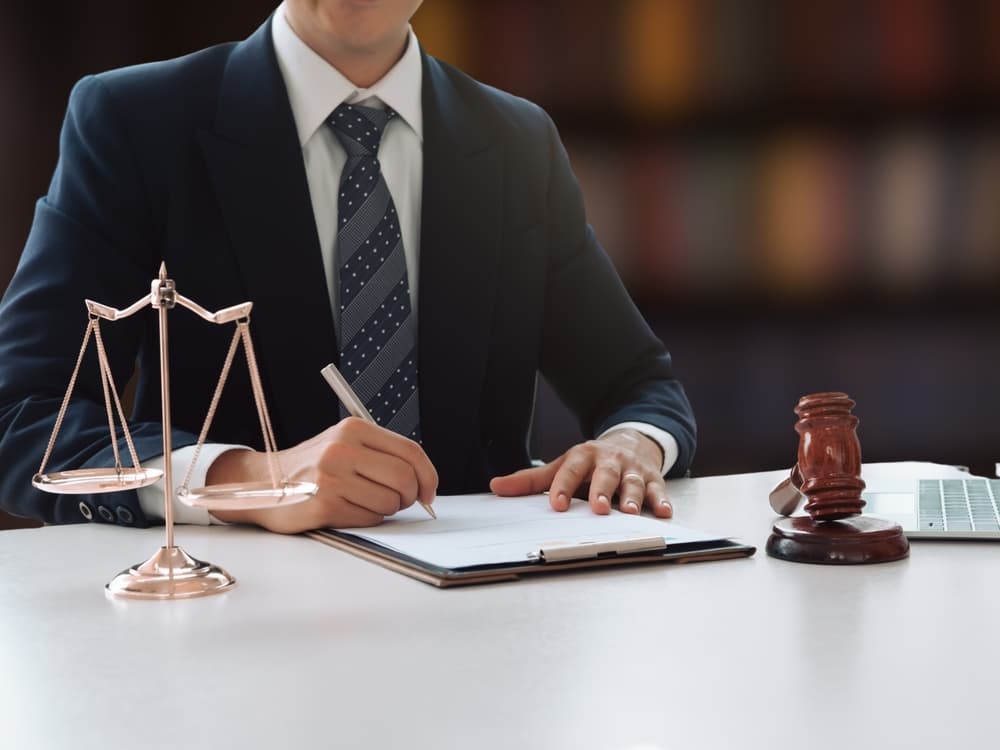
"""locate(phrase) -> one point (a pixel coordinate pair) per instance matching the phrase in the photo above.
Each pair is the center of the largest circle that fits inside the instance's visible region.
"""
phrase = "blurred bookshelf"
(744, 151)
(800, 196)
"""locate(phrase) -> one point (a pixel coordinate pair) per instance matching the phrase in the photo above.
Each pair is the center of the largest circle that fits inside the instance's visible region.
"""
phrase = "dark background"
(801, 196)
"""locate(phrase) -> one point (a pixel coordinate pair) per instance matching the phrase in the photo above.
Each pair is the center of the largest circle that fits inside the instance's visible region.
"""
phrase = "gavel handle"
(786, 496)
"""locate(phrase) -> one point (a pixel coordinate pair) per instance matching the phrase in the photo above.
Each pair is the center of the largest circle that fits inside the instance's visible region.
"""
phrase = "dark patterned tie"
(378, 354)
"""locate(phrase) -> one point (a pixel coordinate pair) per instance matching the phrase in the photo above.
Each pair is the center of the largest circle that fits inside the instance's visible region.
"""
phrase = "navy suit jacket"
(196, 162)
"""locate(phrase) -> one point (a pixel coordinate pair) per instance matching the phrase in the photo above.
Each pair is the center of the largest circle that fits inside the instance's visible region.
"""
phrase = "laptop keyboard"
(959, 504)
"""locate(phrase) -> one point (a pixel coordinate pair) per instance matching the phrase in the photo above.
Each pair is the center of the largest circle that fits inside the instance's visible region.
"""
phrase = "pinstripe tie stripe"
(378, 355)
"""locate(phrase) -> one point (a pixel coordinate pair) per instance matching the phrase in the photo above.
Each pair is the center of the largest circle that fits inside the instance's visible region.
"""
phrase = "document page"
(487, 530)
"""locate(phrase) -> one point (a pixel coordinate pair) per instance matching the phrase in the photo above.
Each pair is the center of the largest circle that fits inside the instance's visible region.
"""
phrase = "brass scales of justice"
(171, 573)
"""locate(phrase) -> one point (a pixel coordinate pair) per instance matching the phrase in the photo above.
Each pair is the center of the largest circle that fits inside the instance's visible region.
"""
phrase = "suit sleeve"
(597, 350)
(93, 237)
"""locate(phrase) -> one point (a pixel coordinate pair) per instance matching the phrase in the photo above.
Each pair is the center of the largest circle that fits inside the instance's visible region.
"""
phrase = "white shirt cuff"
(666, 441)
(151, 497)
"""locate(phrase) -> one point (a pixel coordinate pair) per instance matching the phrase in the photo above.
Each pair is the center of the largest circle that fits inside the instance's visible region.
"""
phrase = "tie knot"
(359, 129)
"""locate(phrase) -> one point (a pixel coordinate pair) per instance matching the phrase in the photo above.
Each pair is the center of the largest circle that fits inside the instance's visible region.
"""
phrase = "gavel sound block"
(828, 475)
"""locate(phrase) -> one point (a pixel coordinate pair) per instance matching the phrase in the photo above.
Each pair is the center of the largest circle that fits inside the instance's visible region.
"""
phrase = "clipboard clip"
(591, 550)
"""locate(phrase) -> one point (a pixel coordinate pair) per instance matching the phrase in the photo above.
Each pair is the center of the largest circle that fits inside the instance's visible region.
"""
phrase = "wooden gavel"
(828, 474)
(828, 471)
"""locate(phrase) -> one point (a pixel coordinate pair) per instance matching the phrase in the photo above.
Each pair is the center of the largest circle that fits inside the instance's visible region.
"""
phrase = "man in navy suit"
(222, 165)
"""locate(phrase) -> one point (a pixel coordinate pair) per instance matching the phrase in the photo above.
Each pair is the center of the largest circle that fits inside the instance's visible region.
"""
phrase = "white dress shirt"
(315, 88)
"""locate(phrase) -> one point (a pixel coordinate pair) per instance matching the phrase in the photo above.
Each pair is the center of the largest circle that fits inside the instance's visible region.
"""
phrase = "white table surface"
(315, 648)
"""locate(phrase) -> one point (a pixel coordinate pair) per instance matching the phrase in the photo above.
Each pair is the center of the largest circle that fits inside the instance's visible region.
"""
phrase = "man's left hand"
(623, 462)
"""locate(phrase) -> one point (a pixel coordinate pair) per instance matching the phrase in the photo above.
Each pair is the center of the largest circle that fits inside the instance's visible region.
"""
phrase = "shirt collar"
(315, 88)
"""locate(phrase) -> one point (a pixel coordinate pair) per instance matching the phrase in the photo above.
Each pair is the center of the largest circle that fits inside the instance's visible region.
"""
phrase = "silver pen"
(356, 407)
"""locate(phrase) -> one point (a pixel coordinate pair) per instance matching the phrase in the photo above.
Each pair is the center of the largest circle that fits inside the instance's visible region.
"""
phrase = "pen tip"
(430, 510)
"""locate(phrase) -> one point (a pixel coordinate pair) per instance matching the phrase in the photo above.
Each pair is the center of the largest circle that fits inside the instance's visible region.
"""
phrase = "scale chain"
(66, 398)
(109, 379)
(211, 409)
(110, 393)
(258, 396)
(242, 333)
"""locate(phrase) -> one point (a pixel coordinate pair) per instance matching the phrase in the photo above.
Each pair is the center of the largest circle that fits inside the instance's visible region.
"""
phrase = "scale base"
(171, 573)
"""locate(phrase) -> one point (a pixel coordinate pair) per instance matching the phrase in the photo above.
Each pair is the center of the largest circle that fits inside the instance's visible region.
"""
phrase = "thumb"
(526, 481)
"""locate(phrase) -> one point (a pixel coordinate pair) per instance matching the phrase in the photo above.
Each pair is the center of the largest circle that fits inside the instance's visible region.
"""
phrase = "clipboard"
(563, 555)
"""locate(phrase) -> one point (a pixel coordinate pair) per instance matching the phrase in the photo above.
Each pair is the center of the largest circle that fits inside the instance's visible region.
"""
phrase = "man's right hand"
(364, 473)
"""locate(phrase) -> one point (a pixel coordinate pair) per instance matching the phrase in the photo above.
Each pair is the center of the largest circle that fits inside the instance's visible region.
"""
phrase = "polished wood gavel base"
(851, 541)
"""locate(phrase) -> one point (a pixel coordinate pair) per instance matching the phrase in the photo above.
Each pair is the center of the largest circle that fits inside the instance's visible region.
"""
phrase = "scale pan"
(87, 481)
(247, 495)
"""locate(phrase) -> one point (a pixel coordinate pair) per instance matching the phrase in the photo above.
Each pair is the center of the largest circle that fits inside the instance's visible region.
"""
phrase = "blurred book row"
(798, 215)
(663, 58)
(785, 149)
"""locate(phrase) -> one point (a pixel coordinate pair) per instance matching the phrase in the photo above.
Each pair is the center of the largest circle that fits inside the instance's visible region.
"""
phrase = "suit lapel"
(255, 162)
(459, 262)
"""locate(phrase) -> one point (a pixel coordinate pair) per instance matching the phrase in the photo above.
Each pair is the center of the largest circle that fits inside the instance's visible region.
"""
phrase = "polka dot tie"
(378, 353)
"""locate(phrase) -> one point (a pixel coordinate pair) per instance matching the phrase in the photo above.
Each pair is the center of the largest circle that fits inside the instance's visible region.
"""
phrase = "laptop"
(951, 508)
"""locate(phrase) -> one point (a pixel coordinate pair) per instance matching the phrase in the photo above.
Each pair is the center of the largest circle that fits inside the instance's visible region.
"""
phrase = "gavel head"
(829, 458)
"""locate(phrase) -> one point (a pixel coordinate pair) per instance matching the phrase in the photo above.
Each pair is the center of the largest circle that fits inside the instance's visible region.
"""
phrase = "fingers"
(323, 510)
(346, 515)
(604, 482)
(616, 464)
(374, 496)
(382, 441)
(635, 492)
(553, 477)
(388, 484)
(612, 468)
(526, 481)
(631, 493)
(657, 500)
(576, 467)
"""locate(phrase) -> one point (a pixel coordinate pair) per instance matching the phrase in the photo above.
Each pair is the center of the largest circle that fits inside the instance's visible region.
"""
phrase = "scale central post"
(163, 296)
(170, 573)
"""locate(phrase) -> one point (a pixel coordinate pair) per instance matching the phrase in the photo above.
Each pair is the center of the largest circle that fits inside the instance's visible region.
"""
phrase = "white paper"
(486, 529)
